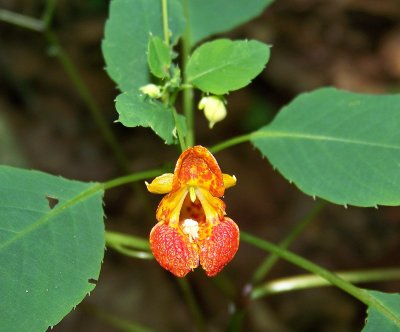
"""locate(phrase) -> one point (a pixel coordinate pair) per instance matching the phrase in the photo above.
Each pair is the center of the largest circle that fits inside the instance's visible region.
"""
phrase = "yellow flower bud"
(151, 90)
(214, 109)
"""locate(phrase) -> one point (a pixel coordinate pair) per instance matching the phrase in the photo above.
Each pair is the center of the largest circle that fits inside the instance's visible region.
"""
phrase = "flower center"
(191, 228)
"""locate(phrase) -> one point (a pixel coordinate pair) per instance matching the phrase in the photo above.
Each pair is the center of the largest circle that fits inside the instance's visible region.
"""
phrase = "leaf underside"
(376, 321)
(210, 17)
(50, 249)
(341, 146)
(128, 29)
(135, 110)
(224, 65)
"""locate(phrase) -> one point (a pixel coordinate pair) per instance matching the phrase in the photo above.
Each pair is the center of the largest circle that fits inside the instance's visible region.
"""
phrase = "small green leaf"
(135, 110)
(224, 65)
(51, 247)
(159, 57)
(211, 17)
(376, 321)
(341, 146)
(126, 37)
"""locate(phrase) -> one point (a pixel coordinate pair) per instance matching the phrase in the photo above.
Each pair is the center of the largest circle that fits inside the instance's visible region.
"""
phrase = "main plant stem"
(179, 129)
(188, 95)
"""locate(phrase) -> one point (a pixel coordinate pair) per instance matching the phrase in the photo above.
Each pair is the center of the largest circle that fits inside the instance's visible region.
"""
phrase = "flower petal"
(219, 249)
(173, 250)
(197, 167)
(229, 181)
(161, 184)
(170, 206)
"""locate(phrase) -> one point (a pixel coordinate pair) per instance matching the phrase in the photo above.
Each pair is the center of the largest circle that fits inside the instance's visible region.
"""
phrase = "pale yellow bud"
(214, 109)
(151, 90)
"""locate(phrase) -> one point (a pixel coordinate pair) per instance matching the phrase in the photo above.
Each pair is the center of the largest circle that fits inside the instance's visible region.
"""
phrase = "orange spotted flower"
(192, 226)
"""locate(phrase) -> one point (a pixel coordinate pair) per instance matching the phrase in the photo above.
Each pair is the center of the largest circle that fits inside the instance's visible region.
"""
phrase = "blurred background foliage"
(45, 124)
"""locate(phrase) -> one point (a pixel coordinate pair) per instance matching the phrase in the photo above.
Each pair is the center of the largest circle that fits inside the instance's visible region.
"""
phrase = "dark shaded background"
(44, 124)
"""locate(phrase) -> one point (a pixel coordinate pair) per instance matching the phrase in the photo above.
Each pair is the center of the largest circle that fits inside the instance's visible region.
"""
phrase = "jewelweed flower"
(192, 227)
(214, 109)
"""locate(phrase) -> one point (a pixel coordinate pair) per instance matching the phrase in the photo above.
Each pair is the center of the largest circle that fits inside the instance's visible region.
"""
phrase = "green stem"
(311, 281)
(128, 245)
(188, 95)
(230, 142)
(48, 13)
(360, 294)
(164, 5)
(113, 320)
(87, 97)
(179, 131)
(139, 176)
(22, 21)
(271, 260)
(43, 26)
(192, 304)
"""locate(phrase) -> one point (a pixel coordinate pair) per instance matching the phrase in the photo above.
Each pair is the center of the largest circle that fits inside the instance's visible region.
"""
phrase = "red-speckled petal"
(219, 249)
(173, 250)
(197, 167)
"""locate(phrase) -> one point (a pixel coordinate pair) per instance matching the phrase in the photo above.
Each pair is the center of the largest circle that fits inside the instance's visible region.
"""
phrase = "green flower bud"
(151, 90)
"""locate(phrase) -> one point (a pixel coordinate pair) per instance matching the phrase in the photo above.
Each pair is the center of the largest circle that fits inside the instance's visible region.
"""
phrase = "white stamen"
(191, 228)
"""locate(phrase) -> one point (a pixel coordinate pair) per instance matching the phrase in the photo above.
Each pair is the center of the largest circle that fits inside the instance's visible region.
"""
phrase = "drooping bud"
(151, 90)
(214, 109)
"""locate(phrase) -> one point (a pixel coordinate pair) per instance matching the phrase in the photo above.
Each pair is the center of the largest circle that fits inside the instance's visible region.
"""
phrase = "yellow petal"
(229, 181)
(170, 207)
(161, 184)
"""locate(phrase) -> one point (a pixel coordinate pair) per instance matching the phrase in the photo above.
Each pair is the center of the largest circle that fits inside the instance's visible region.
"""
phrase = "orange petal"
(172, 250)
(161, 184)
(197, 167)
(219, 249)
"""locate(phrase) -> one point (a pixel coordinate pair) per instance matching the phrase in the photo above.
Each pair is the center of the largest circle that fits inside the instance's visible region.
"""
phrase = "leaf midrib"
(220, 67)
(317, 137)
(82, 196)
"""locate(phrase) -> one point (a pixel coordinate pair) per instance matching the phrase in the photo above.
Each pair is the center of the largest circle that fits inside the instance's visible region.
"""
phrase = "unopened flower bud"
(214, 109)
(151, 90)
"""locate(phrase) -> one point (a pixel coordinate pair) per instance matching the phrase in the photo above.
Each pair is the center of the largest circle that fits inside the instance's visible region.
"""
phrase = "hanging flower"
(214, 109)
(192, 227)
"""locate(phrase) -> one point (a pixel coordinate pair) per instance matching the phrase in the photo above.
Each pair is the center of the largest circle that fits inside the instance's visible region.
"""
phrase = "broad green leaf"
(338, 145)
(51, 247)
(158, 57)
(135, 110)
(224, 65)
(376, 321)
(211, 17)
(127, 33)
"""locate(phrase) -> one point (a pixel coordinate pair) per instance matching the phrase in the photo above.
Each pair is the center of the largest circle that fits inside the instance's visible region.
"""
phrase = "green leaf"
(135, 110)
(159, 57)
(224, 65)
(211, 17)
(51, 247)
(127, 33)
(376, 321)
(341, 146)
